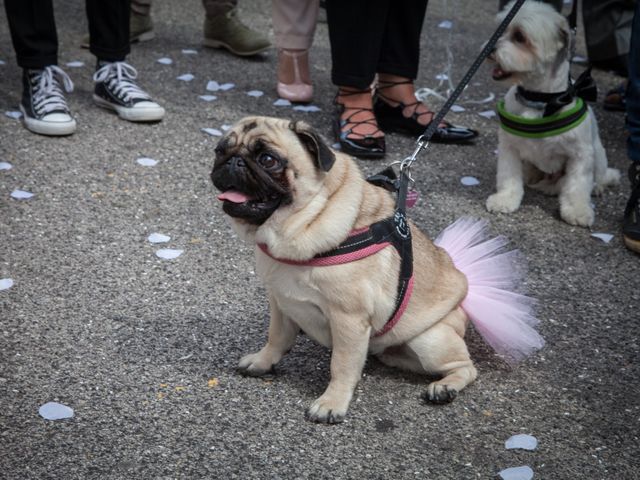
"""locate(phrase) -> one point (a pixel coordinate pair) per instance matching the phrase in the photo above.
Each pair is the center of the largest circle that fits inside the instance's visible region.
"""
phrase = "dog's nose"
(237, 162)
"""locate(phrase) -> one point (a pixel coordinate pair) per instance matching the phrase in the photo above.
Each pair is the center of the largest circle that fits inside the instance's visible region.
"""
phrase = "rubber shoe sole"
(54, 129)
(211, 43)
(632, 244)
(137, 114)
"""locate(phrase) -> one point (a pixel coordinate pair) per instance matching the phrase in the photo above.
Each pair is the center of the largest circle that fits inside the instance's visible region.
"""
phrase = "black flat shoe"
(366, 146)
(391, 119)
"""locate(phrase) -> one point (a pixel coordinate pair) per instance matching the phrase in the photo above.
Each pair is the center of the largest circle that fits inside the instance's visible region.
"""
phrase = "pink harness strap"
(360, 244)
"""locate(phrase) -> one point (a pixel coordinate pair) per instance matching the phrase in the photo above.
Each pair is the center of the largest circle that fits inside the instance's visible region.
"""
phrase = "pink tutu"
(504, 317)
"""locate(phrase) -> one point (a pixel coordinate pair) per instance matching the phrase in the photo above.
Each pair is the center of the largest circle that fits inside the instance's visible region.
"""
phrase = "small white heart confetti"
(442, 76)
(517, 473)
(525, 442)
(208, 98)
(169, 253)
(306, 108)
(187, 77)
(255, 93)
(165, 61)
(1, 62)
(214, 132)
(213, 86)
(158, 238)
(469, 181)
(605, 237)
(21, 194)
(487, 114)
(336, 146)
(13, 114)
(578, 58)
(282, 102)
(457, 108)
(445, 24)
(75, 64)
(147, 162)
(227, 86)
(188, 51)
(226, 127)
(6, 283)
(55, 411)
(5, 166)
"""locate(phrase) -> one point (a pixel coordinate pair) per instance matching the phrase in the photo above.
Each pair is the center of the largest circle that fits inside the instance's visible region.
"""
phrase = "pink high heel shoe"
(294, 80)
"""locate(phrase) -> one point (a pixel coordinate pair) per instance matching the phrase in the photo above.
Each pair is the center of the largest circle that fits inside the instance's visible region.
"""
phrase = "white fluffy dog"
(568, 160)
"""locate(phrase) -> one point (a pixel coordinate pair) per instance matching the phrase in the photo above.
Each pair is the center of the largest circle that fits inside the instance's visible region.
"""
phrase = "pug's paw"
(503, 202)
(439, 393)
(255, 365)
(327, 410)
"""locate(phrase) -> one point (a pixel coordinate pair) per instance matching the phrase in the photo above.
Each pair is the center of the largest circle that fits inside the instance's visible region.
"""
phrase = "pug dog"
(533, 56)
(294, 198)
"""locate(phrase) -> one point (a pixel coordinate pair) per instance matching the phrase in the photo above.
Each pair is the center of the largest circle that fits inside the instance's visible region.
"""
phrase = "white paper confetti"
(75, 64)
(21, 194)
(147, 162)
(1, 62)
(6, 283)
(55, 411)
(469, 181)
(490, 98)
(487, 114)
(13, 114)
(442, 76)
(579, 59)
(517, 473)
(165, 61)
(605, 237)
(282, 102)
(457, 108)
(227, 86)
(208, 98)
(306, 108)
(225, 127)
(158, 238)
(336, 146)
(525, 442)
(187, 77)
(445, 24)
(5, 166)
(213, 86)
(214, 132)
(169, 253)
(255, 93)
(188, 51)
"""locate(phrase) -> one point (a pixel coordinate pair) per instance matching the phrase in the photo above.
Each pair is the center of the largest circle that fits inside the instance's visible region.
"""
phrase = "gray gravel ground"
(135, 344)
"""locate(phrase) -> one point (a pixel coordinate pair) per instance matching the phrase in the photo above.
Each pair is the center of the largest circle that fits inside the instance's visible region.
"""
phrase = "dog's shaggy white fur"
(534, 53)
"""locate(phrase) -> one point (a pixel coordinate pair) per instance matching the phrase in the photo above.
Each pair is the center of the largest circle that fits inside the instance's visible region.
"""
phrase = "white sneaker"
(116, 90)
(43, 106)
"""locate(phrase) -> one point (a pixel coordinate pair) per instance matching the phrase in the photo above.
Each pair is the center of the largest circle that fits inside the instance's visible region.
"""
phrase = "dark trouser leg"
(33, 32)
(557, 4)
(400, 50)
(356, 30)
(109, 28)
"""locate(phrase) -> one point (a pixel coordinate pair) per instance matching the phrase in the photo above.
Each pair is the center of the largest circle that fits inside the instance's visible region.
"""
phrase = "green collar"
(543, 127)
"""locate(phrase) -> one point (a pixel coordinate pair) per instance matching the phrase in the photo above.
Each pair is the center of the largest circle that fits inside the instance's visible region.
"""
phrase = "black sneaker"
(116, 90)
(44, 108)
(631, 222)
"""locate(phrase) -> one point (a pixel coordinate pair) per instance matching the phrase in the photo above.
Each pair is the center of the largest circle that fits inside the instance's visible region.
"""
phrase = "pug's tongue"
(234, 196)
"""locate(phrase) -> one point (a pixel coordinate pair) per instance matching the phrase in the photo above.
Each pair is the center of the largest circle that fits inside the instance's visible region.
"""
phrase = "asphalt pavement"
(144, 349)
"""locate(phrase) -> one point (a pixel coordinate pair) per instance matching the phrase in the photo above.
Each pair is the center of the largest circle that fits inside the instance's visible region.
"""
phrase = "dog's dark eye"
(518, 37)
(267, 161)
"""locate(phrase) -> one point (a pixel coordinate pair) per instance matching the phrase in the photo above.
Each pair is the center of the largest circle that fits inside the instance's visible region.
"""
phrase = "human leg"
(223, 29)
(294, 24)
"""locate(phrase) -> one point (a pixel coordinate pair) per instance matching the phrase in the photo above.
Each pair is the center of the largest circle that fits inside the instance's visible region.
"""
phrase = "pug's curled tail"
(495, 302)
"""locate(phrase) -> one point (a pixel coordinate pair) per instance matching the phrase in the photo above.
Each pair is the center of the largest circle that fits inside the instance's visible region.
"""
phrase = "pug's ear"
(319, 150)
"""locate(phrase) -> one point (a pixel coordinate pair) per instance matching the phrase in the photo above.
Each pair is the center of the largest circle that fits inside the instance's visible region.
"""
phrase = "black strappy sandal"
(364, 146)
(392, 119)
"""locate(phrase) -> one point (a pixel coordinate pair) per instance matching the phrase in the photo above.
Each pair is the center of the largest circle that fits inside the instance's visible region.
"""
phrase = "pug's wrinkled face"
(253, 166)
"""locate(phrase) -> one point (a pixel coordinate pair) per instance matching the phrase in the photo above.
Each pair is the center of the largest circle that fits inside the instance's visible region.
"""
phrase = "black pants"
(374, 36)
(35, 40)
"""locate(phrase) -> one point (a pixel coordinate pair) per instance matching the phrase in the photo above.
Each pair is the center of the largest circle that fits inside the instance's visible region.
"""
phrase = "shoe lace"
(347, 120)
(383, 84)
(48, 94)
(119, 78)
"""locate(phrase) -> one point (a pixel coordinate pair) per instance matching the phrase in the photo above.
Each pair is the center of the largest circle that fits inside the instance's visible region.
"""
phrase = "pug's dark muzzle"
(249, 191)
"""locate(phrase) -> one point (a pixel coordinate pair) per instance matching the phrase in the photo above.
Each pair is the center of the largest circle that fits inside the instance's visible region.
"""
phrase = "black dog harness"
(367, 241)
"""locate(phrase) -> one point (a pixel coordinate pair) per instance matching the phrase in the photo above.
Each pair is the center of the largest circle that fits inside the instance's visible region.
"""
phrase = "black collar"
(584, 87)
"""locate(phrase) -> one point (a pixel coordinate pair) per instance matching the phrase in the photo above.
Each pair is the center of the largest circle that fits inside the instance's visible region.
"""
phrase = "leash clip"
(405, 165)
